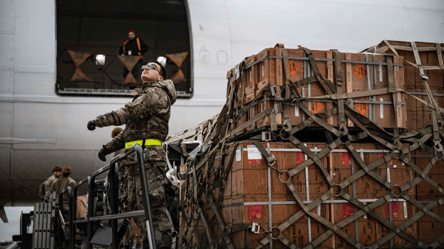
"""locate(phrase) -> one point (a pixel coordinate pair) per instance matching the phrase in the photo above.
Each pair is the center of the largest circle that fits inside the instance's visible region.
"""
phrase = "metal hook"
(438, 146)
(286, 125)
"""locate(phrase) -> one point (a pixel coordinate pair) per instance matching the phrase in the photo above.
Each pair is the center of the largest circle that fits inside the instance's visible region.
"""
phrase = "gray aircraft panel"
(37, 83)
(6, 76)
(7, 52)
(6, 121)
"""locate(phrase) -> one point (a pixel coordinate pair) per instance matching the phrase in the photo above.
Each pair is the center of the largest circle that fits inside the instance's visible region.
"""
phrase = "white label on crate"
(263, 70)
(251, 76)
(238, 154)
(254, 153)
(296, 111)
(381, 109)
(365, 215)
(405, 209)
(380, 72)
(236, 73)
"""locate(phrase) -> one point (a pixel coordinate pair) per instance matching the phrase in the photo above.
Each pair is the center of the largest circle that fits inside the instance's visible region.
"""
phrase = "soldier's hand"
(103, 152)
(91, 125)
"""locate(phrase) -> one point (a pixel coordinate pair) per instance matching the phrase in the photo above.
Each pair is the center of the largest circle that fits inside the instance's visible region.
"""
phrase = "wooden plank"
(279, 70)
(330, 76)
(399, 83)
(349, 81)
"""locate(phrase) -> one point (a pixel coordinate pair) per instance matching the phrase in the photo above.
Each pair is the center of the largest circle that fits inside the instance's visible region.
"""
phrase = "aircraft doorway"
(90, 33)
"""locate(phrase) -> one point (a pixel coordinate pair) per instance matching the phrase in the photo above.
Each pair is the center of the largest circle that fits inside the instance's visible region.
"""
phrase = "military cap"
(116, 131)
(56, 168)
(66, 169)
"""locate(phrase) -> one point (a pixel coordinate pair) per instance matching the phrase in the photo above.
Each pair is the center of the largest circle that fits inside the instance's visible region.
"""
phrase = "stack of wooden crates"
(257, 193)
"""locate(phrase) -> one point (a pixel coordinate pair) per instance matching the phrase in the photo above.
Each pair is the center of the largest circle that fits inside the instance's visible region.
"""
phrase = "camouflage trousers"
(155, 165)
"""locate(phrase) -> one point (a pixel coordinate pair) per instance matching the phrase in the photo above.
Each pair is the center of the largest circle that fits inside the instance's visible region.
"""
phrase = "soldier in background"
(44, 187)
(60, 186)
(146, 119)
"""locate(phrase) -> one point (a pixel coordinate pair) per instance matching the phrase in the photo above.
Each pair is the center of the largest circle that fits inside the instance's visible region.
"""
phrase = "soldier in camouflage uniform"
(146, 119)
(44, 187)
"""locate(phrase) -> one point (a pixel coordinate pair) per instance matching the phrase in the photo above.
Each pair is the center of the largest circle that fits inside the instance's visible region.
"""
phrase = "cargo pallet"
(374, 183)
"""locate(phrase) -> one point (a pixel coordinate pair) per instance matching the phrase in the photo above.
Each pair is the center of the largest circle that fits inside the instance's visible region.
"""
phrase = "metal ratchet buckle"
(255, 228)
(266, 136)
(423, 76)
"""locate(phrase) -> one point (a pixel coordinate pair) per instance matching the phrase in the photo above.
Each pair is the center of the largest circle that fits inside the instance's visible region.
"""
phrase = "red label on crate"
(360, 71)
(362, 108)
(395, 210)
(345, 158)
(316, 107)
(298, 208)
(392, 162)
(347, 210)
(300, 157)
(255, 212)
(255, 161)
(293, 67)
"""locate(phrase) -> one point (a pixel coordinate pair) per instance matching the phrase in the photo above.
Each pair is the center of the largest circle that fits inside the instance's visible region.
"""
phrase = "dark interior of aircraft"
(88, 31)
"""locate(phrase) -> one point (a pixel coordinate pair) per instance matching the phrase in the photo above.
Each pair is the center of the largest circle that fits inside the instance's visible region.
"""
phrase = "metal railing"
(112, 167)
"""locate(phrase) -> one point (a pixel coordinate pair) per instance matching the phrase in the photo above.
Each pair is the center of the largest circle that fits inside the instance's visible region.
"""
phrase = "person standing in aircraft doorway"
(146, 119)
(44, 187)
(133, 46)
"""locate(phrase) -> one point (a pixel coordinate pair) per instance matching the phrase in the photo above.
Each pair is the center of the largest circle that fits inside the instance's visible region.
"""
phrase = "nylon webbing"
(436, 114)
(203, 177)
(339, 83)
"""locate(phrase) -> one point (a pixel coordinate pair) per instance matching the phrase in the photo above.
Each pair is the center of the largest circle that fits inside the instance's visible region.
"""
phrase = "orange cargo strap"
(138, 44)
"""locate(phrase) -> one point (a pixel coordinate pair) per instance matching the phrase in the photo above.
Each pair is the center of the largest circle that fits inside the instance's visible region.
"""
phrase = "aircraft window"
(90, 34)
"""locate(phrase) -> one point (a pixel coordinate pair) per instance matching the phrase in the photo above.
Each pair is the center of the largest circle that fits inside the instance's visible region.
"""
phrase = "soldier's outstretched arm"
(134, 111)
(116, 144)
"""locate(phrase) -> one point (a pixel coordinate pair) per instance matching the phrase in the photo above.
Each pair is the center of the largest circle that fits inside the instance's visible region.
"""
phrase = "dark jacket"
(146, 117)
(132, 45)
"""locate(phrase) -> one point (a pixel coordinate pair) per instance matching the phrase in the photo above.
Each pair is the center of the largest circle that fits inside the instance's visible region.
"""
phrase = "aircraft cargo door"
(90, 34)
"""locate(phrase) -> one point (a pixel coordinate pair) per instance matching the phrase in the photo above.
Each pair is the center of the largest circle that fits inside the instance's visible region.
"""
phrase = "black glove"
(91, 125)
(103, 152)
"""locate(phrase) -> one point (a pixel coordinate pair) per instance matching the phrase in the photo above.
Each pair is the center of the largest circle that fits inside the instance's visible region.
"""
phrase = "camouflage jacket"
(59, 186)
(44, 187)
(146, 117)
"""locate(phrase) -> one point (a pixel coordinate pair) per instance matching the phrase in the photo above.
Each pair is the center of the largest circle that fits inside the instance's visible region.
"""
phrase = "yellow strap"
(148, 142)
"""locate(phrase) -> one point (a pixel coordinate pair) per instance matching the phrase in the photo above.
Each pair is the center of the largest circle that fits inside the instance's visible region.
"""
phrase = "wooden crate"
(82, 206)
(247, 194)
(366, 188)
(425, 191)
(359, 75)
(428, 55)
(413, 81)
(424, 113)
